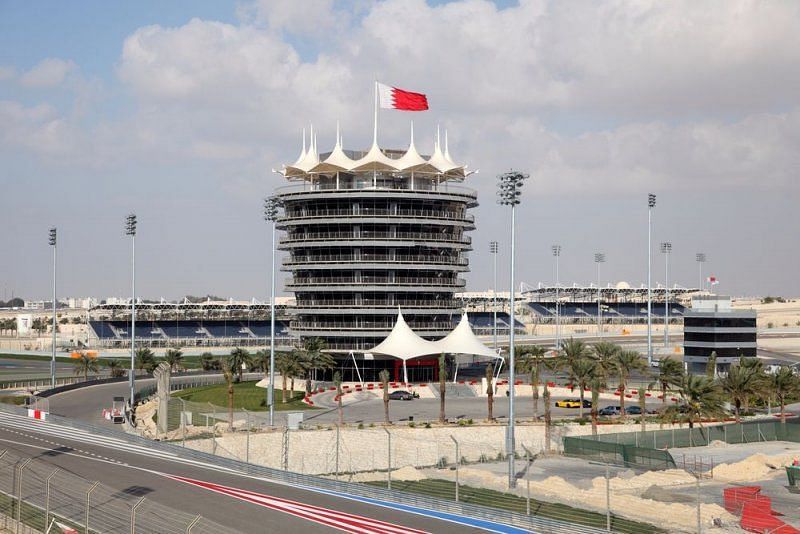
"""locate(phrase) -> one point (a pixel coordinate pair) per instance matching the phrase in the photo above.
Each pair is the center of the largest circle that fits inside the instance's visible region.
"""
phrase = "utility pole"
(130, 229)
(701, 259)
(271, 205)
(599, 258)
(52, 241)
(493, 248)
(666, 249)
(557, 253)
(651, 202)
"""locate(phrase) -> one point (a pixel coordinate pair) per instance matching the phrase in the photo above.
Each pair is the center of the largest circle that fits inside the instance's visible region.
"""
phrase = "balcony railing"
(367, 235)
(389, 304)
(365, 326)
(374, 281)
(377, 258)
(372, 212)
(368, 185)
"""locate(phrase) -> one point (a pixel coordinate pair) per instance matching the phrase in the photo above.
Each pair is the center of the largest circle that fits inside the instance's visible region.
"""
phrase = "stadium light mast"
(52, 240)
(599, 258)
(651, 203)
(509, 192)
(493, 248)
(271, 205)
(666, 249)
(700, 257)
(130, 229)
(557, 253)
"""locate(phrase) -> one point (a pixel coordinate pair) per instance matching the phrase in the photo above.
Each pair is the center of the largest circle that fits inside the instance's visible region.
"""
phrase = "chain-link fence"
(37, 497)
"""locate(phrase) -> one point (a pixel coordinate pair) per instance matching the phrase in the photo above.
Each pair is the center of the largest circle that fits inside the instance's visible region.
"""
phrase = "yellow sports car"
(573, 403)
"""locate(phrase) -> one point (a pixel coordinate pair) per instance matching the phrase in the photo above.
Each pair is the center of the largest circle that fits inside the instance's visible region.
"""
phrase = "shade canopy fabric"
(462, 340)
(404, 343)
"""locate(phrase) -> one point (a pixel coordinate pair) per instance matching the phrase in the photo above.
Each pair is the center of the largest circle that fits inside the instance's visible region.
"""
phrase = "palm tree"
(626, 362)
(115, 367)
(573, 349)
(384, 376)
(595, 401)
(261, 361)
(531, 361)
(228, 370)
(670, 373)
(84, 364)
(490, 390)
(547, 418)
(207, 361)
(287, 365)
(783, 383)
(315, 359)
(739, 383)
(643, 405)
(173, 357)
(337, 381)
(442, 387)
(701, 397)
(580, 370)
(711, 365)
(145, 360)
(761, 383)
(605, 354)
(239, 359)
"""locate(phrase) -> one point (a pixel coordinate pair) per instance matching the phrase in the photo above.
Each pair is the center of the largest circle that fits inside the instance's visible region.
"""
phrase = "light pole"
(556, 253)
(52, 240)
(509, 193)
(493, 248)
(666, 248)
(701, 259)
(271, 205)
(651, 203)
(599, 258)
(130, 229)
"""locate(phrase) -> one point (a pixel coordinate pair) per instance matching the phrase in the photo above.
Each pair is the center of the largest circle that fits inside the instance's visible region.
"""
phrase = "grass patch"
(245, 395)
(444, 489)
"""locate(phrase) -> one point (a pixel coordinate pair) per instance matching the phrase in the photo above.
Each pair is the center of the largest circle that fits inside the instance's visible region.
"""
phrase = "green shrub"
(770, 325)
(427, 424)
(412, 424)
(361, 426)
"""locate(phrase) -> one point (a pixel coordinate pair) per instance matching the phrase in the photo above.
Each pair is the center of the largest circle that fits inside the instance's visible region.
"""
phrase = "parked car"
(400, 395)
(633, 410)
(610, 410)
(573, 403)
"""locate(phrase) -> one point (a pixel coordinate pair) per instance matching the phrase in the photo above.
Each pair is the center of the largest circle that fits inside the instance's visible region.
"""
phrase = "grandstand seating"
(188, 329)
(629, 310)
(482, 322)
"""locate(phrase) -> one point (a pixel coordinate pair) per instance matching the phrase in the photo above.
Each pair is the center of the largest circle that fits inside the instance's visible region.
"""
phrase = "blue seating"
(630, 310)
(183, 329)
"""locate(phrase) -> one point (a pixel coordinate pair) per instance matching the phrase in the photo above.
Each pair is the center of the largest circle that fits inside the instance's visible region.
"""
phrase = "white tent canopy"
(462, 340)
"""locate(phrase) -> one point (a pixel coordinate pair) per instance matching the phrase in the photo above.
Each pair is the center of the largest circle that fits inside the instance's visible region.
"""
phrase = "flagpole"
(375, 127)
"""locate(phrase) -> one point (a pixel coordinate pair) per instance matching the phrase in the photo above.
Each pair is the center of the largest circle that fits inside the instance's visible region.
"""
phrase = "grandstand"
(482, 323)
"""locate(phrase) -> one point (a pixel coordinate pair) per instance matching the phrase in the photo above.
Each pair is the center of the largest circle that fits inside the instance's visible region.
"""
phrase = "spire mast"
(375, 127)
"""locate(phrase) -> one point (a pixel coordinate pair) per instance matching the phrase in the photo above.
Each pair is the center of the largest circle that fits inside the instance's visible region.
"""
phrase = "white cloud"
(49, 72)
(7, 73)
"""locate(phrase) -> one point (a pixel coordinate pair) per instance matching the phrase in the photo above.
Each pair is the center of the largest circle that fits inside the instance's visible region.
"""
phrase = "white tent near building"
(462, 340)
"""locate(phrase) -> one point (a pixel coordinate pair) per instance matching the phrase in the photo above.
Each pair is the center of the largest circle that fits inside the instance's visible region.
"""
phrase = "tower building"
(371, 232)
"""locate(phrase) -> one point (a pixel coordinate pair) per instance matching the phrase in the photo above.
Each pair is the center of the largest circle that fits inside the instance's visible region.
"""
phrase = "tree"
(580, 370)
(701, 397)
(670, 373)
(783, 383)
(595, 401)
(761, 383)
(173, 357)
(313, 347)
(547, 418)
(738, 384)
(531, 361)
(442, 387)
(207, 361)
(626, 362)
(711, 365)
(605, 353)
(239, 359)
(287, 365)
(384, 376)
(115, 367)
(145, 360)
(228, 370)
(261, 361)
(490, 391)
(84, 364)
(337, 381)
(643, 405)
(572, 350)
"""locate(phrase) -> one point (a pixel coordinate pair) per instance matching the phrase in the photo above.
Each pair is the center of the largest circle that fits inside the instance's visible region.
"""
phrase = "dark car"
(400, 395)
(633, 410)
(610, 410)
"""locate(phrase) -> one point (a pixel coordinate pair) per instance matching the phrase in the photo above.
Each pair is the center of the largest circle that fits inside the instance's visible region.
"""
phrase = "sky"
(179, 112)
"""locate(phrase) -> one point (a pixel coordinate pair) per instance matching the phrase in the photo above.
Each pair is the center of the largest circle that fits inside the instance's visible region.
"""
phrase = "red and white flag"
(713, 280)
(394, 98)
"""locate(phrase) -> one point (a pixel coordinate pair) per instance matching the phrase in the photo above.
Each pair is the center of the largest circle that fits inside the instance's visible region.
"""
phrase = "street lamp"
(666, 249)
(130, 229)
(701, 259)
(271, 206)
(599, 258)
(509, 193)
(493, 248)
(557, 252)
(651, 203)
(52, 240)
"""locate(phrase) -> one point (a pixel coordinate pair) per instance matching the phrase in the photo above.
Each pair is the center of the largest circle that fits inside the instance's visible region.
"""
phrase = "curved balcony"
(347, 261)
(348, 237)
(376, 281)
(369, 215)
(366, 327)
(305, 190)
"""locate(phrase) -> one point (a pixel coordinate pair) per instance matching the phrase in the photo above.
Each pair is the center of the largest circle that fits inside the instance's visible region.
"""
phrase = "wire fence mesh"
(35, 496)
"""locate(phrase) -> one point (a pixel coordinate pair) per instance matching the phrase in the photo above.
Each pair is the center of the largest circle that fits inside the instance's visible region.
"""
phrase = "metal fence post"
(457, 462)
(133, 515)
(20, 467)
(247, 438)
(389, 460)
(192, 524)
(183, 421)
(608, 500)
(697, 486)
(527, 481)
(337, 451)
(88, 494)
(47, 497)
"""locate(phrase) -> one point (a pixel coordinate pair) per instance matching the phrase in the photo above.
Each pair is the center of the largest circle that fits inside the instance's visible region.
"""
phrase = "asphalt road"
(123, 466)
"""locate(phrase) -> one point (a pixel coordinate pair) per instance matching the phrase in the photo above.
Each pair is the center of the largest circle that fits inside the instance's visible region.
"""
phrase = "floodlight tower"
(271, 206)
(557, 253)
(130, 229)
(52, 240)
(700, 257)
(651, 203)
(509, 193)
(599, 258)
(493, 248)
(666, 249)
